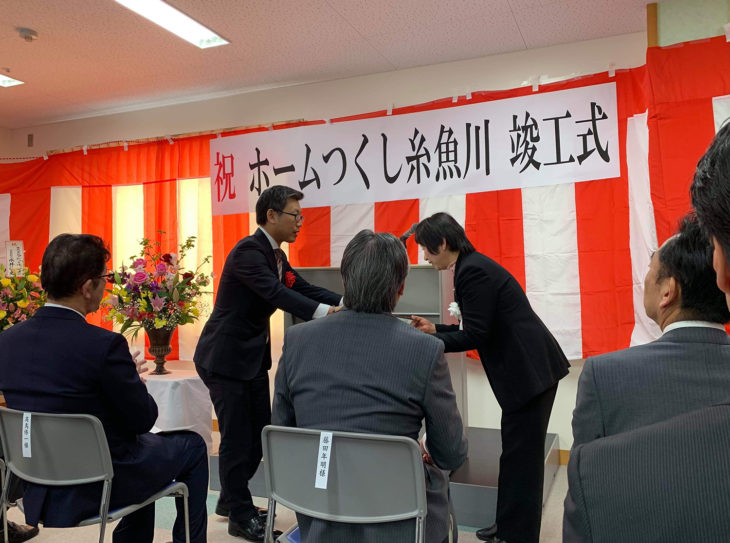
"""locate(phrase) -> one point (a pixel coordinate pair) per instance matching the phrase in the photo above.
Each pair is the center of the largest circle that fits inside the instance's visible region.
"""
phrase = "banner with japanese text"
(576, 232)
(543, 139)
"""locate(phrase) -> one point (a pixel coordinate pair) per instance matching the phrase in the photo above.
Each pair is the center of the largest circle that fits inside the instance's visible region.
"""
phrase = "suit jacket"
(371, 373)
(235, 340)
(518, 352)
(669, 481)
(684, 370)
(55, 362)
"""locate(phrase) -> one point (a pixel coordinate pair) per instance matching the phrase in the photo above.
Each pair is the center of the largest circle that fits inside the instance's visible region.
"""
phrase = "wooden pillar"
(652, 33)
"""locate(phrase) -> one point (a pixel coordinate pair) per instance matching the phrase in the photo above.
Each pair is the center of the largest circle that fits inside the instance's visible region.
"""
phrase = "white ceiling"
(94, 56)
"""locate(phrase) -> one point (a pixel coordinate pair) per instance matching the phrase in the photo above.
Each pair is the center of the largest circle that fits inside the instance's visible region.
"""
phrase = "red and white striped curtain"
(580, 250)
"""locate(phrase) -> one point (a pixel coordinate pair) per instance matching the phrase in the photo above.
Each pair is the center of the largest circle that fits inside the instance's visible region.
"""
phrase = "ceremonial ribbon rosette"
(289, 279)
(454, 311)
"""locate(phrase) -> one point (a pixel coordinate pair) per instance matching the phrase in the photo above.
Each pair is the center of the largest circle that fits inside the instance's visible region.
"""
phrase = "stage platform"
(473, 485)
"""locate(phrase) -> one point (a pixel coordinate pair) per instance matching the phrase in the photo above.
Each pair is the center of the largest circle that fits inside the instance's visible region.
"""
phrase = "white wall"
(689, 20)
(4, 142)
(341, 97)
(352, 96)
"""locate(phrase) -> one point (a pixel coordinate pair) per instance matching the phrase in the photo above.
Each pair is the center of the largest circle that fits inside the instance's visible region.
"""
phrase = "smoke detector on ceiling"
(28, 34)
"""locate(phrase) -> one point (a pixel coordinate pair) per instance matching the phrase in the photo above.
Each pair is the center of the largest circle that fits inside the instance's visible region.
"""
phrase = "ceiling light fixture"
(174, 21)
(7, 81)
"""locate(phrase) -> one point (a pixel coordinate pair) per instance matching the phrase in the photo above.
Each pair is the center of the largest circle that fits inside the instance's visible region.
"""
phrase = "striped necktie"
(279, 261)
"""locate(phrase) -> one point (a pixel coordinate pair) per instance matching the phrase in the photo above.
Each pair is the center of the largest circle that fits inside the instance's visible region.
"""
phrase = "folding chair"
(68, 450)
(372, 478)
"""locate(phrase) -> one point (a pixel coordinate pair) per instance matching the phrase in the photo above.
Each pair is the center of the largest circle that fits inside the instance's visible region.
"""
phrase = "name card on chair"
(323, 460)
(26, 435)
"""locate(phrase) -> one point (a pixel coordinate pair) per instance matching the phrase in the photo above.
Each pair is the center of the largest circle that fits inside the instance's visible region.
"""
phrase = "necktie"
(279, 261)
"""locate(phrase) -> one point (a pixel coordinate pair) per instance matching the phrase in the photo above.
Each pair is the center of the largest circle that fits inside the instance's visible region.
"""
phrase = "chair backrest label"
(26, 435)
(323, 460)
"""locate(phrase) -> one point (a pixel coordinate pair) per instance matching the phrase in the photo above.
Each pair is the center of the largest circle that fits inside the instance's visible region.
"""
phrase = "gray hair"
(373, 268)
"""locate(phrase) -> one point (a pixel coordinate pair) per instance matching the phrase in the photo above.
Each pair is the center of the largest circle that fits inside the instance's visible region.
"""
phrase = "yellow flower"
(2, 314)
(22, 304)
(32, 278)
(120, 318)
(5, 282)
(160, 323)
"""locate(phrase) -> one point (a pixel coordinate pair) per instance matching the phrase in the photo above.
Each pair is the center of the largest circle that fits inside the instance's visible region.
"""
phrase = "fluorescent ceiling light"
(7, 81)
(175, 21)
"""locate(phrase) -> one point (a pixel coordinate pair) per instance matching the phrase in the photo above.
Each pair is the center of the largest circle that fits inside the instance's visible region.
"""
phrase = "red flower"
(188, 275)
(167, 257)
(289, 279)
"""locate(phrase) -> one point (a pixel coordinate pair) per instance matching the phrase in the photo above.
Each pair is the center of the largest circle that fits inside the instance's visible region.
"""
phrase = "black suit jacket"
(56, 362)
(518, 352)
(235, 340)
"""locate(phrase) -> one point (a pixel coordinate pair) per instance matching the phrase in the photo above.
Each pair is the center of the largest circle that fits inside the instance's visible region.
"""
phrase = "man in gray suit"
(687, 368)
(669, 481)
(666, 482)
(363, 370)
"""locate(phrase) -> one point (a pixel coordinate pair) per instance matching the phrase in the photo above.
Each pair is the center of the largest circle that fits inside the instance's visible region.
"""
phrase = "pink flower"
(160, 270)
(140, 277)
(157, 303)
(114, 300)
(139, 264)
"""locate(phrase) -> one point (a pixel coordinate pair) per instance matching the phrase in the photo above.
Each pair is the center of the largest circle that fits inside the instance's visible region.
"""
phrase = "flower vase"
(159, 347)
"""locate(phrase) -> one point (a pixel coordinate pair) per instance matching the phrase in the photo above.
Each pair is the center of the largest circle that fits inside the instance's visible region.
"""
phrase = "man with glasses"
(56, 362)
(234, 351)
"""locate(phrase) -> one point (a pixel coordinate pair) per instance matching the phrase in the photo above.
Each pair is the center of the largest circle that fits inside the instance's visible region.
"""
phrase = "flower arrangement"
(20, 296)
(155, 292)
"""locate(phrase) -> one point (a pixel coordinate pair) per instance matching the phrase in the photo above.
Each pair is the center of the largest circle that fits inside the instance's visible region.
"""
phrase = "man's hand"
(141, 363)
(424, 325)
(424, 453)
(333, 309)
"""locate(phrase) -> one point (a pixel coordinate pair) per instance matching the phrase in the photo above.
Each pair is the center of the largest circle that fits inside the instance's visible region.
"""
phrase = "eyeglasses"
(297, 216)
(109, 276)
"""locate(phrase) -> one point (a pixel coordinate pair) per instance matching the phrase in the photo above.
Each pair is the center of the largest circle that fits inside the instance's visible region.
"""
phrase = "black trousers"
(522, 469)
(243, 409)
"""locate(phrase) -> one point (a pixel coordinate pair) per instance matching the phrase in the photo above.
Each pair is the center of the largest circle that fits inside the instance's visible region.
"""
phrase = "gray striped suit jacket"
(684, 370)
(666, 482)
(371, 373)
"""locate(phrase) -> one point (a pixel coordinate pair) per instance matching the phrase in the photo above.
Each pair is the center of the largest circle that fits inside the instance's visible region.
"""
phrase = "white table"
(182, 400)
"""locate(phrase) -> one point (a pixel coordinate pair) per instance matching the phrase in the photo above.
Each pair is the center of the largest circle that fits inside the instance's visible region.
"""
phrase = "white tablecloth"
(182, 400)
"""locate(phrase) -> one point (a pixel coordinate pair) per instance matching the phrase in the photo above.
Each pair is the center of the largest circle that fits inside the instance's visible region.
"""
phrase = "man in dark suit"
(687, 368)
(522, 360)
(55, 362)
(363, 370)
(669, 481)
(233, 355)
(711, 198)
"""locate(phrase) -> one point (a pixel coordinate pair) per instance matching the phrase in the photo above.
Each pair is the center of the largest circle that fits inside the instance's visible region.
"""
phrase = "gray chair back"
(65, 449)
(372, 478)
